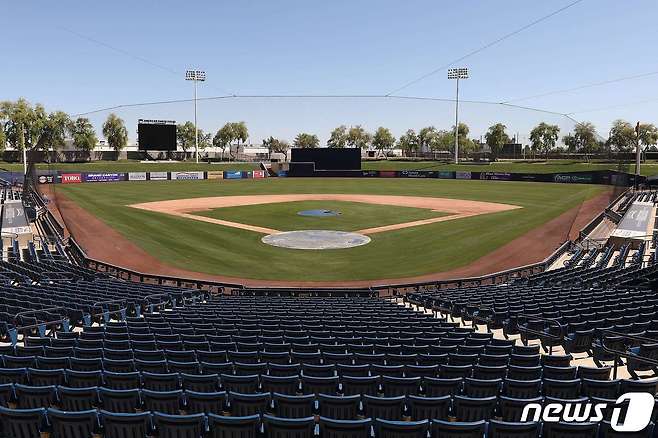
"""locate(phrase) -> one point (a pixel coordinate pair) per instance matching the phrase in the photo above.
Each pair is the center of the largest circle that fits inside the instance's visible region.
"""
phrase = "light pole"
(457, 74)
(638, 154)
(195, 76)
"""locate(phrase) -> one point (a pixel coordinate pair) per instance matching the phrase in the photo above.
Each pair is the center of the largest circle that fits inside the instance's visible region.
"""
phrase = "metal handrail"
(540, 335)
(27, 312)
(45, 323)
(101, 304)
(160, 303)
(626, 354)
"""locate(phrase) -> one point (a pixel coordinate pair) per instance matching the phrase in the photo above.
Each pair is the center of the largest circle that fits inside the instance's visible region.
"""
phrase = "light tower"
(195, 76)
(457, 74)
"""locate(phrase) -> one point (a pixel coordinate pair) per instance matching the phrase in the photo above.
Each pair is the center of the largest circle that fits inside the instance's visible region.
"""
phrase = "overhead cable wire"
(178, 74)
(309, 96)
(582, 87)
(620, 105)
(484, 47)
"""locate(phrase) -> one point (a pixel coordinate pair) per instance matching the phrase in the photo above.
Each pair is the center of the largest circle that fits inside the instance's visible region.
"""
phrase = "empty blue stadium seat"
(234, 427)
(276, 427)
(80, 424)
(400, 429)
(179, 426)
(22, 423)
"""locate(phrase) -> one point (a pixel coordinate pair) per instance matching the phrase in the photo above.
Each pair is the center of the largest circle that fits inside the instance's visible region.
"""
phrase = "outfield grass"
(412, 251)
(353, 215)
(650, 168)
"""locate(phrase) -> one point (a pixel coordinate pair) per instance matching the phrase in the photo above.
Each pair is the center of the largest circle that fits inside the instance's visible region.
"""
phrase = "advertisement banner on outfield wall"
(104, 177)
(573, 178)
(136, 176)
(46, 179)
(258, 174)
(215, 174)
(496, 176)
(71, 178)
(229, 174)
(158, 176)
(186, 175)
(446, 174)
(246, 174)
(418, 174)
(370, 173)
(532, 177)
(388, 173)
(462, 175)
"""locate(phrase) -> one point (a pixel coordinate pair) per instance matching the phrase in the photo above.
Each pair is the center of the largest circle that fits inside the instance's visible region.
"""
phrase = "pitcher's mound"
(319, 213)
(316, 239)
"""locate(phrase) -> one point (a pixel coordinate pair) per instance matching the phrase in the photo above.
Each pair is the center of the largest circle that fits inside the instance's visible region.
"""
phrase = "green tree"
(274, 145)
(304, 140)
(495, 138)
(33, 128)
(622, 136)
(543, 137)
(115, 132)
(463, 130)
(3, 137)
(240, 132)
(357, 137)
(338, 137)
(409, 142)
(383, 140)
(466, 145)
(205, 139)
(232, 132)
(441, 141)
(647, 135)
(583, 139)
(84, 136)
(223, 138)
(427, 136)
(570, 142)
(186, 135)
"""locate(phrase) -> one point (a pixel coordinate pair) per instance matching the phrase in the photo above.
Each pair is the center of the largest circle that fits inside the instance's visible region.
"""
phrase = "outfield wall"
(604, 177)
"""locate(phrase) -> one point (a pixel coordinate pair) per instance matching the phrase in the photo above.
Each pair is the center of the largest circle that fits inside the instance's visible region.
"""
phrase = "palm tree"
(116, 133)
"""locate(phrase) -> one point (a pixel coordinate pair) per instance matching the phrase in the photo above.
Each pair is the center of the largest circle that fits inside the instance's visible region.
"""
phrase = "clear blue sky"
(334, 47)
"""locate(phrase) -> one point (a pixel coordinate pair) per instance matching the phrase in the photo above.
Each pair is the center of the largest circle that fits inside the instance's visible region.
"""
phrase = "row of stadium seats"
(177, 402)
(31, 423)
(593, 386)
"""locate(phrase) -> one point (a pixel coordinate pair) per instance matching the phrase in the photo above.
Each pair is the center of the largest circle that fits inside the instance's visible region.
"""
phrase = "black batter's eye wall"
(329, 158)
(156, 136)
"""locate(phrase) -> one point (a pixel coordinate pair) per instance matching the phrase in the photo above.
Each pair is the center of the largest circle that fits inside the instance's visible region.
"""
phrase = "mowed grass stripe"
(353, 215)
(413, 251)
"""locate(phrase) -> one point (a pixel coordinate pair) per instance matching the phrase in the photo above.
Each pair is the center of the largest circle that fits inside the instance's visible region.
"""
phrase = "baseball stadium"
(297, 269)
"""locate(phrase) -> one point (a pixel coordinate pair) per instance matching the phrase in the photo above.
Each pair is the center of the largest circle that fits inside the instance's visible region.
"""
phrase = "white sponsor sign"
(157, 176)
(136, 176)
(186, 175)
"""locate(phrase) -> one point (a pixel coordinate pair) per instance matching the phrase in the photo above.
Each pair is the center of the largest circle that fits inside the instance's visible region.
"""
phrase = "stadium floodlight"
(457, 74)
(195, 76)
